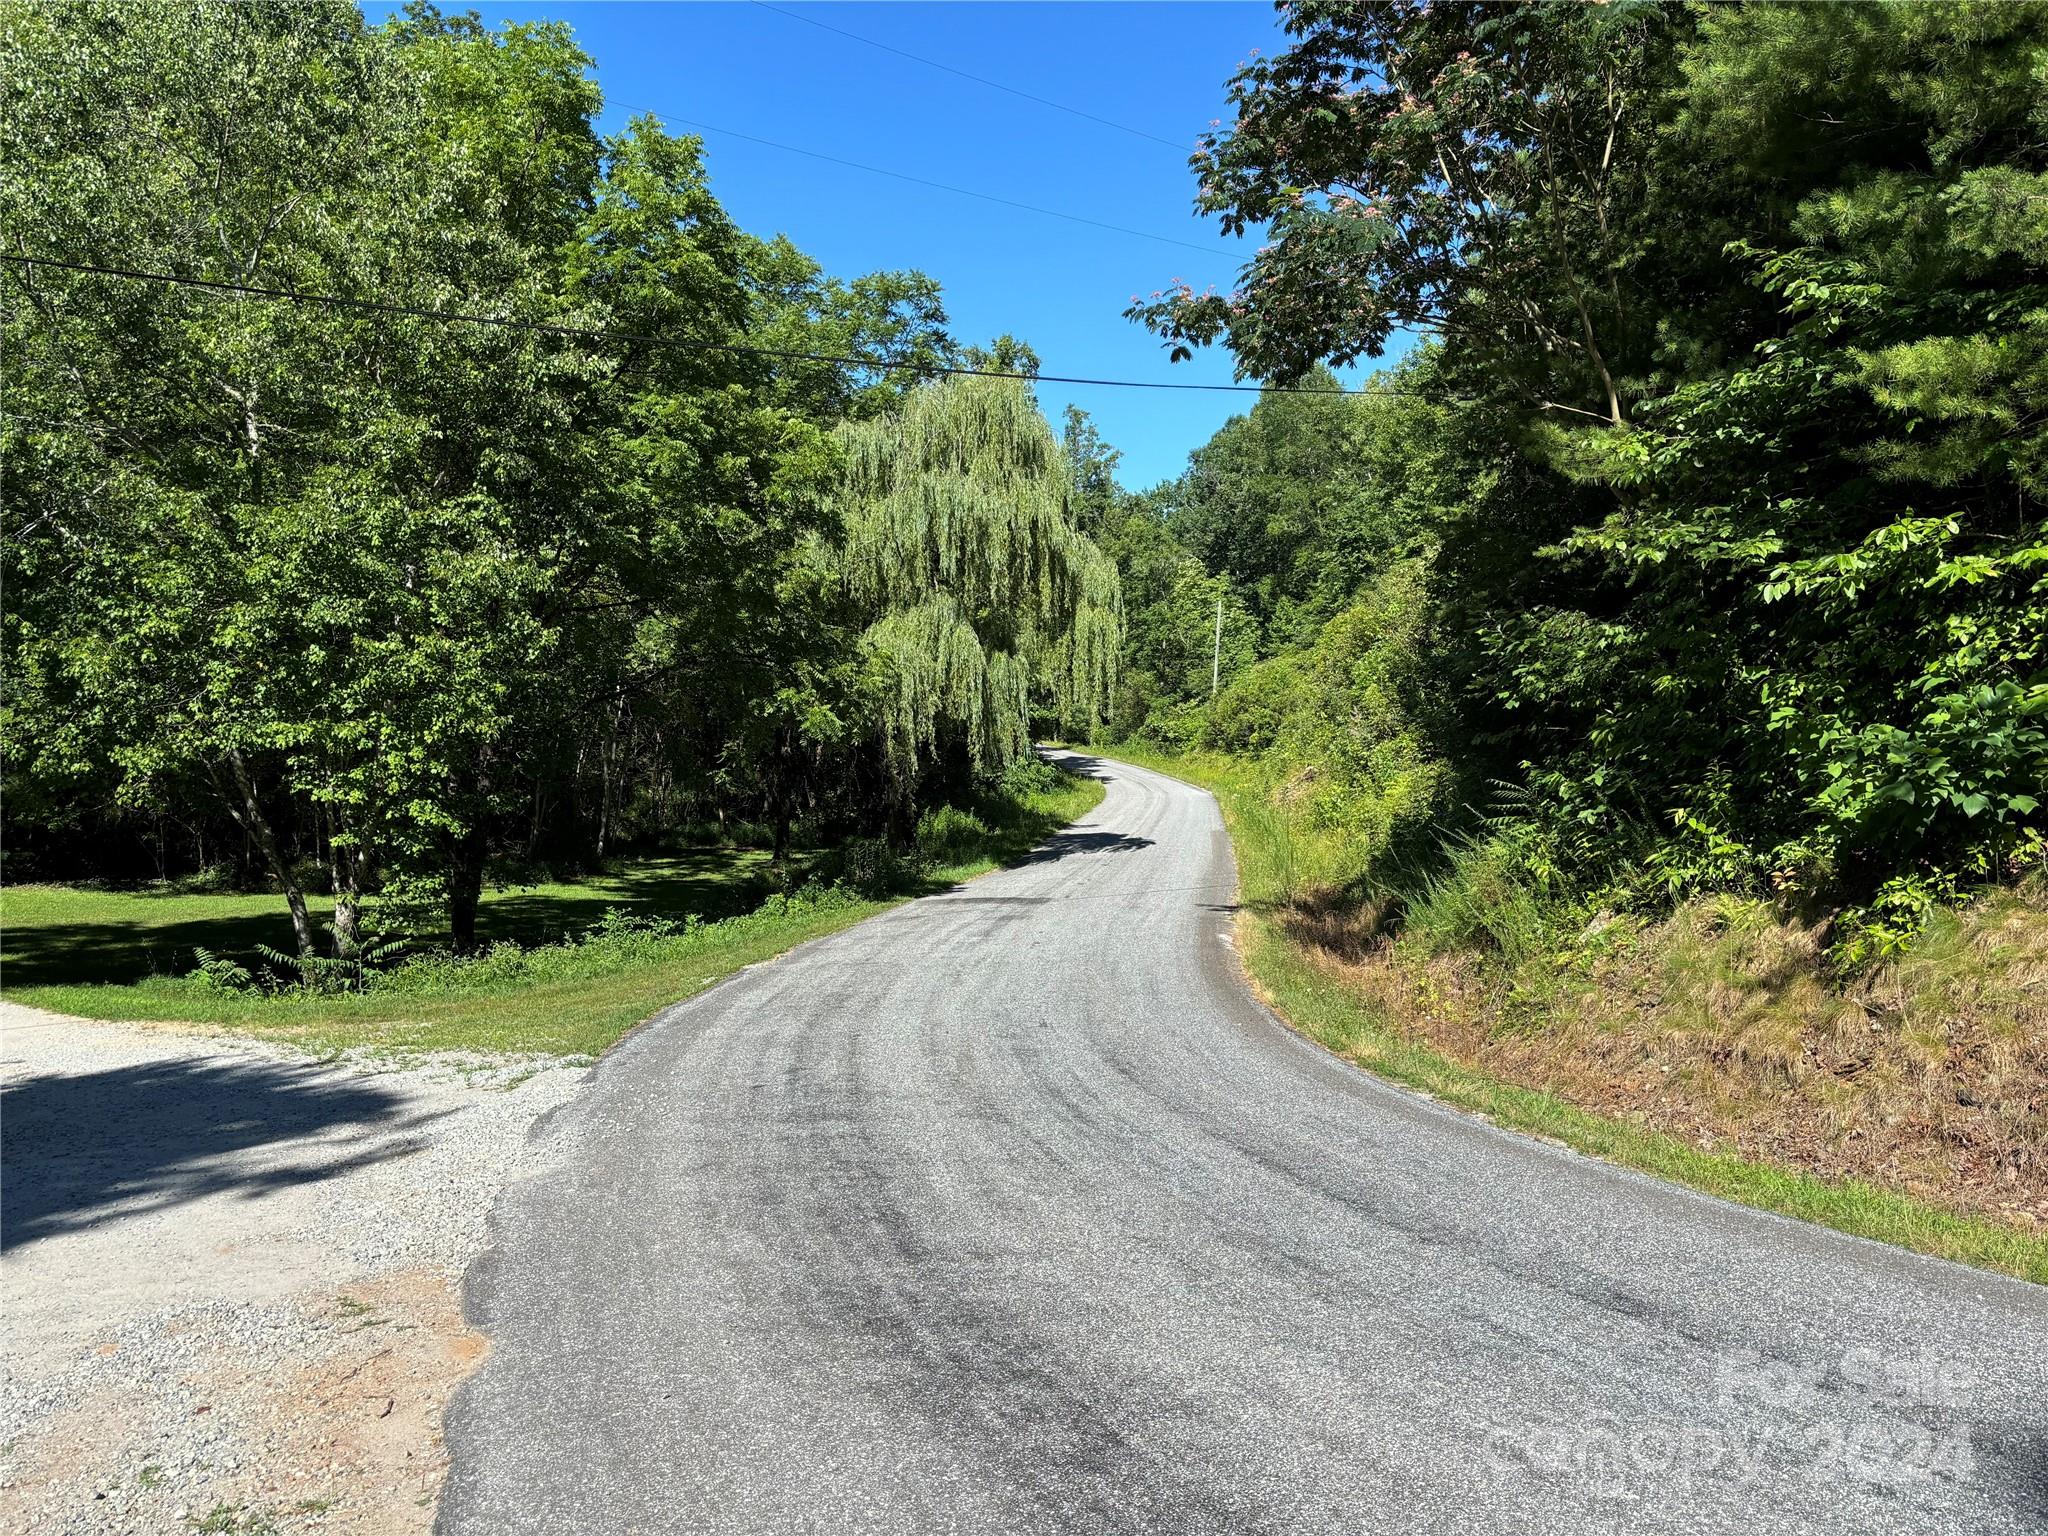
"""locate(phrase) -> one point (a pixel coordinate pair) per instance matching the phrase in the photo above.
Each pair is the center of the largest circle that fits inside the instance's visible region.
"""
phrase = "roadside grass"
(1328, 1006)
(573, 997)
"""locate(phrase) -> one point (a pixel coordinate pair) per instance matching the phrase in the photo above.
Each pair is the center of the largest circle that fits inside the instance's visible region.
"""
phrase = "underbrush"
(1726, 1023)
(1722, 1042)
(619, 941)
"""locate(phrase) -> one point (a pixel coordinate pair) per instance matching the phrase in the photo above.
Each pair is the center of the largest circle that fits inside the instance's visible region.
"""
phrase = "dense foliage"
(356, 594)
(959, 539)
(1697, 546)
(1701, 544)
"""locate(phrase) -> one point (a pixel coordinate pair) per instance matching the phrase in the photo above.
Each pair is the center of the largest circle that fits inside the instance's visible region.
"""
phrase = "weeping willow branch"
(961, 545)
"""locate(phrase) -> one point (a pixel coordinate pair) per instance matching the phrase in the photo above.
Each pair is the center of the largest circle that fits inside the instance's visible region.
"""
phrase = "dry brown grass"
(1722, 1025)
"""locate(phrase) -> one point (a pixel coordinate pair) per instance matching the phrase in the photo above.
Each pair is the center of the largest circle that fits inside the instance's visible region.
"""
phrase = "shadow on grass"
(162, 1133)
(708, 882)
(59, 954)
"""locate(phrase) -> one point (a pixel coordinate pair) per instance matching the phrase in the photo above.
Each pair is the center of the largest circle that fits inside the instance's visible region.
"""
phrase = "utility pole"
(1216, 655)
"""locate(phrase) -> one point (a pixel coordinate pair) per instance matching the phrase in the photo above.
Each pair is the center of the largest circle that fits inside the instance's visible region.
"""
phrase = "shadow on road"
(162, 1133)
(1065, 845)
(1080, 763)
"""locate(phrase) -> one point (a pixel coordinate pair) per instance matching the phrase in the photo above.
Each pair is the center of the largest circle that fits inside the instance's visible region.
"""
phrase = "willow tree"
(978, 588)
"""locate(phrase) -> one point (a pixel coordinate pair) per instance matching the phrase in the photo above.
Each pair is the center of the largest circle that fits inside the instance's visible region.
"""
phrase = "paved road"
(1008, 1211)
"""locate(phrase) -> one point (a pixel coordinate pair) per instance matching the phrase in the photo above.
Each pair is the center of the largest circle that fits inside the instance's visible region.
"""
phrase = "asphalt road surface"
(1010, 1211)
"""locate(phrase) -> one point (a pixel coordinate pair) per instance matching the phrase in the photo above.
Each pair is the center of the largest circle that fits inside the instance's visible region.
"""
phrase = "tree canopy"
(1722, 460)
(1697, 544)
(402, 593)
(961, 540)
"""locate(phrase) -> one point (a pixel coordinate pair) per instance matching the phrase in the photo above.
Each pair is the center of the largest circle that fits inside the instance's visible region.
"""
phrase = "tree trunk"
(611, 759)
(1599, 358)
(465, 889)
(342, 864)
(257, 826)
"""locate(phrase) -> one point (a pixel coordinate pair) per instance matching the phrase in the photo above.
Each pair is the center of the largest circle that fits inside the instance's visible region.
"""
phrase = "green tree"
(1301, 500)
(160, 627)
(1469, 170)
(962, 554)
(809, 316)
(1094, 495)
(1728, 498)
(373, 575)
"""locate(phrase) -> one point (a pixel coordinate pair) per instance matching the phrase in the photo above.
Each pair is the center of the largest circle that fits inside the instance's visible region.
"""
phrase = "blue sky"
(1061, 286)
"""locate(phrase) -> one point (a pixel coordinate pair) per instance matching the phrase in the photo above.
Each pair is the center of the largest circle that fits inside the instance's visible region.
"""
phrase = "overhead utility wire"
(997, 85)
(875, 170)
(593, 333)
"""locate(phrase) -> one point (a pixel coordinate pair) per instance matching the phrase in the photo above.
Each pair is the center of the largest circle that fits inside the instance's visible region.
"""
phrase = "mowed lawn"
(59, 935)
(127, 954)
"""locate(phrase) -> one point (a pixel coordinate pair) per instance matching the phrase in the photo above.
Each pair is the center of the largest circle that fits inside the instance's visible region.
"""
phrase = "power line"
(596, 333)
(997, 85)
(875, 170)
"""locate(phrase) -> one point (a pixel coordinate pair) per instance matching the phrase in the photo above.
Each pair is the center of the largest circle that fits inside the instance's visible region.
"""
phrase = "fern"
(334, 973)
(217, 973)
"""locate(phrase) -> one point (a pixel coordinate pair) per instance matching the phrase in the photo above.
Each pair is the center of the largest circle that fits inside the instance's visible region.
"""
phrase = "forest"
(1698, 546)
(1631, 708)
(412, 492)
(652, 881)
(410, 489)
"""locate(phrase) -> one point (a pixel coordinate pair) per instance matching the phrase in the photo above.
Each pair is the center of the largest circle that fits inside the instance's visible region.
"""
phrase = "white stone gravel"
(191, 1221)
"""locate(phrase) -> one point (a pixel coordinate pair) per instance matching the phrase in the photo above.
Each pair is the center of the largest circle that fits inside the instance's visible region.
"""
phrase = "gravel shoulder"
(231, 1279)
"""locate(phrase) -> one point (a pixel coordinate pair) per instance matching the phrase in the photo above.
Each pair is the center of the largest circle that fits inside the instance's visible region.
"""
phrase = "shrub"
(619, 940)
(1176, 727)
(213, 880)
(948, 835)
(217, 973)
(869, 866)
(313, 877)
(329, 973)
(1250, 715)
(1028, 776)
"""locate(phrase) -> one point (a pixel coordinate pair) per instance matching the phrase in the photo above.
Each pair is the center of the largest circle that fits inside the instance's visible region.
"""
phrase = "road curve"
(1010, 1211)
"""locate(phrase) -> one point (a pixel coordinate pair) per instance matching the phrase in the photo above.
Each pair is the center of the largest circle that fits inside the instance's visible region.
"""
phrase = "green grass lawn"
(123, 954)
(58, 935)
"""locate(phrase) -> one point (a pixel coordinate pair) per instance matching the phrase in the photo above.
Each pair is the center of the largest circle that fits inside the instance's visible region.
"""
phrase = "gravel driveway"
(230, 1281)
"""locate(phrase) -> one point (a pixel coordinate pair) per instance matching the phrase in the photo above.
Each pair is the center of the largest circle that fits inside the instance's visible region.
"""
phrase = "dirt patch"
(363, 1425)
(349, 1441)
(232, 1285)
